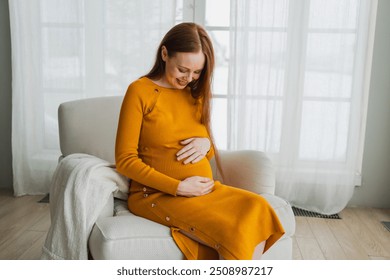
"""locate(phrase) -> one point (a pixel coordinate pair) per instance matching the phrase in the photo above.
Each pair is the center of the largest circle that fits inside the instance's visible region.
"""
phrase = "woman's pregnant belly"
(165, 162)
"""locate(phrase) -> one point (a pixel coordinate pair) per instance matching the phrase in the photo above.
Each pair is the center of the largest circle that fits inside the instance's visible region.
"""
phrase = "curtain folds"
(64, 50)
(298, 91)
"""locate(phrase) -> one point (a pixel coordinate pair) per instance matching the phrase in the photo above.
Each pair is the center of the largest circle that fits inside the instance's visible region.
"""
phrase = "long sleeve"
(127, 159)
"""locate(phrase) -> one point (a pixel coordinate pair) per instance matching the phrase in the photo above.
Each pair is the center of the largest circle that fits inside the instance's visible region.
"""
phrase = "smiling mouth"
(182, 83)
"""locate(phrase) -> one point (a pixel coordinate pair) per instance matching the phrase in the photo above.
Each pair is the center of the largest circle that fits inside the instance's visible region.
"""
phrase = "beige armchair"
(89, 126)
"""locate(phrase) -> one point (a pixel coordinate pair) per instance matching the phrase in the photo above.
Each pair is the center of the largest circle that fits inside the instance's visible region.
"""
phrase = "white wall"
(375, 189)
(5, 98)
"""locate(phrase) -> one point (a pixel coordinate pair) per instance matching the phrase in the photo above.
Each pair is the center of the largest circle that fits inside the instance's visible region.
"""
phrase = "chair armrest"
(249, 170)
(108, 209)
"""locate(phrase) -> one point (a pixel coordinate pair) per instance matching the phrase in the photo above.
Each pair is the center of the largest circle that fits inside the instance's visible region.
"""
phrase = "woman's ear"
(164, 53)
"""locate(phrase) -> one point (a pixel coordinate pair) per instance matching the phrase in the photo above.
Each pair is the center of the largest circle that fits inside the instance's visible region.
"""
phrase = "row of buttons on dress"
(154, 204)
(145, 194)
(167, 218)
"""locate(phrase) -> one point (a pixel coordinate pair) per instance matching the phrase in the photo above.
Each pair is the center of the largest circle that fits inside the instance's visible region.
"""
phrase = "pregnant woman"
(164, 144)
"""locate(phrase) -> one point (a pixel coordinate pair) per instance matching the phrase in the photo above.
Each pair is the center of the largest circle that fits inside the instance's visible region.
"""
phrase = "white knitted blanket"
(80, 188)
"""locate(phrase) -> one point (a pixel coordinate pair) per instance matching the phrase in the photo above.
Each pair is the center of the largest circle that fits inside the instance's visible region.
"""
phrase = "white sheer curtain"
(298, 91)
(64, 50)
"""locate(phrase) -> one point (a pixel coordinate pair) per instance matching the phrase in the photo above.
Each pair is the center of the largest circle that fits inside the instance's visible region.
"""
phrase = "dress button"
(217, 246)
(144, 189)
(192, 229)
(167, 219)
(156, 90)
(146, 195)
(153, 205)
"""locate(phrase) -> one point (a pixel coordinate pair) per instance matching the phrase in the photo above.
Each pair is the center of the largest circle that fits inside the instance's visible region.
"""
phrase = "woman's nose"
(189, 77)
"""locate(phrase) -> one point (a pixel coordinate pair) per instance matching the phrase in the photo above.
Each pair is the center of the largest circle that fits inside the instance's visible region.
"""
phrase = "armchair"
(89, 126)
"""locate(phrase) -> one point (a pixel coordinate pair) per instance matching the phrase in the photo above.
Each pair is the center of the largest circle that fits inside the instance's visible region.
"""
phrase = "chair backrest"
(89, 126)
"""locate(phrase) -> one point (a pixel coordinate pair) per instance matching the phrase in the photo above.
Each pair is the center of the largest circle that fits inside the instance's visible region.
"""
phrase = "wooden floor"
(358, 235)
(23, 226)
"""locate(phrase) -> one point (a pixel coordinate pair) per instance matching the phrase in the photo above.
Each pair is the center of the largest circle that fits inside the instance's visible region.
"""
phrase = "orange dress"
(231, 221)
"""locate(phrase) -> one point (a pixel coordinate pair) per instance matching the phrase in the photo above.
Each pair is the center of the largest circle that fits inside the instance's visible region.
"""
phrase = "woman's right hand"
(195, 186)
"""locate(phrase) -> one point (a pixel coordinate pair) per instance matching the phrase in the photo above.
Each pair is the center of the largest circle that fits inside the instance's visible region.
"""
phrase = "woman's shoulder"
(141, 83)
(141, 87)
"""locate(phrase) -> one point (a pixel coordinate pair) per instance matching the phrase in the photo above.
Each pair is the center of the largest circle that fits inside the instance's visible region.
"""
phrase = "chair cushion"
(126, 236)
(130, 237)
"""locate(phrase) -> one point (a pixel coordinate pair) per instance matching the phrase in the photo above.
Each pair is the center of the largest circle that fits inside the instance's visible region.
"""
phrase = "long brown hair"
(190, 37)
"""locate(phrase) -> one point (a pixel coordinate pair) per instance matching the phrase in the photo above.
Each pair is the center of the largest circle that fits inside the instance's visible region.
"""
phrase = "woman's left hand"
(194, 150)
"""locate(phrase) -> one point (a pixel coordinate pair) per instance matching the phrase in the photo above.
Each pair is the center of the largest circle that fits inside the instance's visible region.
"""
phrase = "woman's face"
(182, 68)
